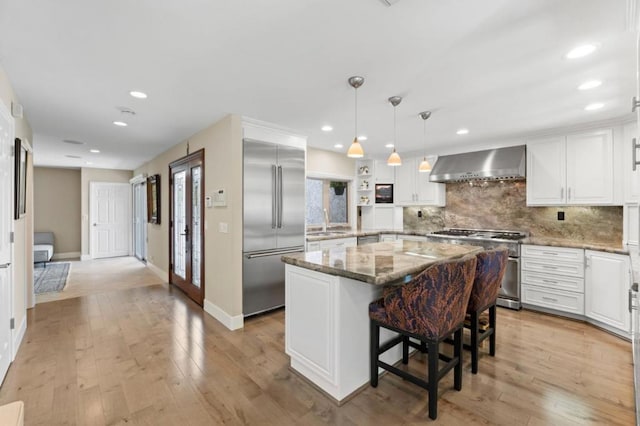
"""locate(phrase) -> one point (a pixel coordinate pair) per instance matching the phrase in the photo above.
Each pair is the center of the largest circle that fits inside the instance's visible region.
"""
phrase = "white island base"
(327, 330)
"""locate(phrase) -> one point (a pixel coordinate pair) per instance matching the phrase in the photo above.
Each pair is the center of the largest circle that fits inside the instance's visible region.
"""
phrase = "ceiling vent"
(126, 110)
(390, 3)
(73, 156)
(72, 142)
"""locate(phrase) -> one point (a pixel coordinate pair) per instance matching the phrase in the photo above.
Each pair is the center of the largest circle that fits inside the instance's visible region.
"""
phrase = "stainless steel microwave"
(384, 193)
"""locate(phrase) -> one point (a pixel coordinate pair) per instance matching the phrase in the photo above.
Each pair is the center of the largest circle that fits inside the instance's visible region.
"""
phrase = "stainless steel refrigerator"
(274, 209)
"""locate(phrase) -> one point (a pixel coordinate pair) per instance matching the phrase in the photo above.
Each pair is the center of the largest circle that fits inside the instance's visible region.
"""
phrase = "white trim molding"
(68, 255)
(231, 322)
(17, 335)
(86, 257)
(159, 272)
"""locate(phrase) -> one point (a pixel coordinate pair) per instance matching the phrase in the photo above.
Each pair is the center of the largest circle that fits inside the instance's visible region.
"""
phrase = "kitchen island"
(327, 297)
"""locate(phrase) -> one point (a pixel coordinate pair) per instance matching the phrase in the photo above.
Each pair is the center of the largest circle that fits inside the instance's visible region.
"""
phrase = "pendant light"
(425, 166)
(355, 150)
(394, 159)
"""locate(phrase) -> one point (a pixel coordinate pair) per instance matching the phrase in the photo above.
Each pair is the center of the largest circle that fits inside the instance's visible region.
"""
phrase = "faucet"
(326, 221)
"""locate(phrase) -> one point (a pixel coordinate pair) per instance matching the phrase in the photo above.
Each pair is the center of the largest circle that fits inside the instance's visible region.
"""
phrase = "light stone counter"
(379, 263)
(564, 242)
(348, 234)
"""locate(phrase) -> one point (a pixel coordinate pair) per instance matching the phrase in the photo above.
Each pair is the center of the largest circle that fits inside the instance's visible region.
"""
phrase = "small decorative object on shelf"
(364, 170)
(364, 199)
(364, 184)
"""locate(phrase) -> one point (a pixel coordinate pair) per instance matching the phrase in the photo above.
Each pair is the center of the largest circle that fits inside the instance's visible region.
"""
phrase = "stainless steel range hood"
(492, 164)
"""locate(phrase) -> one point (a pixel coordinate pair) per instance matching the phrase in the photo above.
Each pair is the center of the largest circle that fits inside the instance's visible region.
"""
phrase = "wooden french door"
(186, 233)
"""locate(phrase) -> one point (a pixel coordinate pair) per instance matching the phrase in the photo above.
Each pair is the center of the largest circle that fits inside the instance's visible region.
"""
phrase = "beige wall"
(95, 175)
(222, 143)
(57, 207)
(23, 227)
(329, 163)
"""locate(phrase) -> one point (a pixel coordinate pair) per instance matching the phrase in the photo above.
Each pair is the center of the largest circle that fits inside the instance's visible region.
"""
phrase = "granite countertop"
(560, 242)
(540, 241)
(350, 234)
(379, 263)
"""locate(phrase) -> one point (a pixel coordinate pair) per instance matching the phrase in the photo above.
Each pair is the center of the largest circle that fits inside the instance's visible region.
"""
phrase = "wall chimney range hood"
(491, 164)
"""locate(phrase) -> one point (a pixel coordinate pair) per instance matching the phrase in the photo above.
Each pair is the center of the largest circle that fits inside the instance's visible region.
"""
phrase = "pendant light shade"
(394, 159)
(355, 150)
(425, 166)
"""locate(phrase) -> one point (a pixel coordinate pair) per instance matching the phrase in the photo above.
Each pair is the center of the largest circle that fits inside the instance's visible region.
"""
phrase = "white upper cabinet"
(590, 168)
(413, 187)
(384, 173)
(572, 170)
(631, 177)
(546, 172)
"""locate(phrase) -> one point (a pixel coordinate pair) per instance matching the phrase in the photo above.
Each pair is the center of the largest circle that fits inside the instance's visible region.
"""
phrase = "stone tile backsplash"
(496, 205)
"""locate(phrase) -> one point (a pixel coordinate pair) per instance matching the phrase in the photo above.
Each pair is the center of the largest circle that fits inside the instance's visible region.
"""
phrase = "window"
(329, 194)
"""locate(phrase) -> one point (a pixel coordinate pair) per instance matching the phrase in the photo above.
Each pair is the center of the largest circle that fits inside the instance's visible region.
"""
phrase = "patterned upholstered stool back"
(486, 284)
(435, 301)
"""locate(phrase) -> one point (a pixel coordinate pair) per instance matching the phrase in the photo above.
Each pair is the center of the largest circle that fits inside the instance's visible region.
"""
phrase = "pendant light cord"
(395, 131)
(424, 125)
(356, 117)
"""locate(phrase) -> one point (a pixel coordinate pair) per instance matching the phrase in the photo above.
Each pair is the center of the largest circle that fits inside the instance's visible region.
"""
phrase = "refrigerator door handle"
(274, 253)
(280, 197)
(274, 186)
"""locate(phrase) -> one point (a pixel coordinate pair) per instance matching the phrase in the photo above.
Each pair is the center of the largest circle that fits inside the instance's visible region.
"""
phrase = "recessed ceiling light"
(120, 123)
(462, 131)
(338, 145)
(94, 151)
(362, 138)
(72, 156)
(389, 145)
(327, 128)
(72, 142)
(594, 106)
(580, 51)
(591, 84)
(137, 94)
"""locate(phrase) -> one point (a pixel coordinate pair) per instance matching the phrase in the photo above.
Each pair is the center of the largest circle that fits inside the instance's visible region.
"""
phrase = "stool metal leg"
(474, 341)
(405, 350)
(492, 324)
(433, 379)
(374, 345)
(457, 354)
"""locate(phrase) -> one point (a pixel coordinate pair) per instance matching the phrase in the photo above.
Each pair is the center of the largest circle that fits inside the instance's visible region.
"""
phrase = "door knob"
(95, 224)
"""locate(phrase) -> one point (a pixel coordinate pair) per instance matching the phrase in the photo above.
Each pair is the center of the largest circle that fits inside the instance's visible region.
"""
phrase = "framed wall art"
(153, 199)
(20, 179)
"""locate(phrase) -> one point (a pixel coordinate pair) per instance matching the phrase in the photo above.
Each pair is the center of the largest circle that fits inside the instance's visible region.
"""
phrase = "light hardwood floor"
(148, 355)
(97, 276)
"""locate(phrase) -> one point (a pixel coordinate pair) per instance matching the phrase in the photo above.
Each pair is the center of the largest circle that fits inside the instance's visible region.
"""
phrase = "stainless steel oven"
(509, 296)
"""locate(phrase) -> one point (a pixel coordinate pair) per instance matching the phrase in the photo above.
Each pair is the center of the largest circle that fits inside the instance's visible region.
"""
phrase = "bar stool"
(429, 308)
(490, 270)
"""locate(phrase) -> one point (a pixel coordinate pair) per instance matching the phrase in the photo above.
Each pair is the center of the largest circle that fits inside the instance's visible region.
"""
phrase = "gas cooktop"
(481, 234)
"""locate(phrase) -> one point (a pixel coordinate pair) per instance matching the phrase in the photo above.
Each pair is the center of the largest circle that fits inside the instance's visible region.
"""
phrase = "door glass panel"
(196, 202)
(179, 221)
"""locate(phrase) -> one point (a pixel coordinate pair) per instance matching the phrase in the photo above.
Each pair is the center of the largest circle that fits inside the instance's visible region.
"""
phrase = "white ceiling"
(496, 67)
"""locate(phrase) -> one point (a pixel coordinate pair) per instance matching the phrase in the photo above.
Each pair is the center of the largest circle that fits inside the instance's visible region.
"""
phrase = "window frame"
(326, 184)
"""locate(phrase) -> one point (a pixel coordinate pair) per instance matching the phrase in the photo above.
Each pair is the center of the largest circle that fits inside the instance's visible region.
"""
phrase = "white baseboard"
(232, 323)
(159, 272)
(86, 257)
(18, 335)
(68, 255)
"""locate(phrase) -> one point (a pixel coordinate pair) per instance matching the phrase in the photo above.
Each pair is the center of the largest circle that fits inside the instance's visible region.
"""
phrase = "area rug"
(52, 277)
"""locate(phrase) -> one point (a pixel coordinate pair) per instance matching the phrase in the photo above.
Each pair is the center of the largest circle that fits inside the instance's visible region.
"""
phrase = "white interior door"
(110, 212)
(6, 226)
(140, 220)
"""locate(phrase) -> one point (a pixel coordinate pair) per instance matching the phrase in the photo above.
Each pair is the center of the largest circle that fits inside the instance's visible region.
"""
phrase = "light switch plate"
(223, 227)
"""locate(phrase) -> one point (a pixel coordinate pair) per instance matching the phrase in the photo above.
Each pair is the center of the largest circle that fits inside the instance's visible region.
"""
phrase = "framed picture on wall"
(153, 199)
(20, 192)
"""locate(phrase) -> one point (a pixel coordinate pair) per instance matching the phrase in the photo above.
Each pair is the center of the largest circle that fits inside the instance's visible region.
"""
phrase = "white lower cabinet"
(607, 285)
(387, 237)
(332, 243)
(588, 284)
(553, 278)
